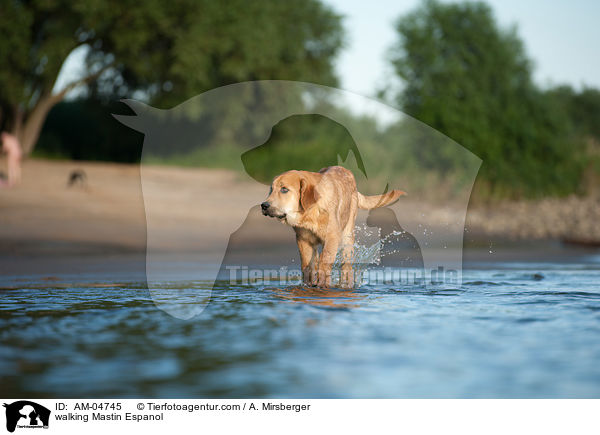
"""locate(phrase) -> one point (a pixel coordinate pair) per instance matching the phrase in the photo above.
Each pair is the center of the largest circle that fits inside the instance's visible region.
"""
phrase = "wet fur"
(322, 207)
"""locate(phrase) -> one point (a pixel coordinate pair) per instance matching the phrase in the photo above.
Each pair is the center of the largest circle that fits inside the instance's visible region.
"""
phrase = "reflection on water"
(326, 298)
(515, 332)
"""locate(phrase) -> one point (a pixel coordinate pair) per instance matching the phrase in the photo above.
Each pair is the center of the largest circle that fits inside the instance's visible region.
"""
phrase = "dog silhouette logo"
(256, 130)
(26, 414)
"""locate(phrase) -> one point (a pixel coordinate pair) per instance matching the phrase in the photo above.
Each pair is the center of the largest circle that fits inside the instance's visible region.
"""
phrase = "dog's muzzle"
(265, 206)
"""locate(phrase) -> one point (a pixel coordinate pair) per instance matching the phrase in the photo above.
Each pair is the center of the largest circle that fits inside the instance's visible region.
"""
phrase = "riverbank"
(103, 214)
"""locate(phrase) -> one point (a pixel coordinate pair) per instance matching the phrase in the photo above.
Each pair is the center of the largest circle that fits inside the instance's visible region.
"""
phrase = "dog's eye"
(284, 190)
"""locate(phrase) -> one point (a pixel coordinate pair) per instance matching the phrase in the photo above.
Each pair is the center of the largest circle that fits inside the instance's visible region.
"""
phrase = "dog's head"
(291, 194)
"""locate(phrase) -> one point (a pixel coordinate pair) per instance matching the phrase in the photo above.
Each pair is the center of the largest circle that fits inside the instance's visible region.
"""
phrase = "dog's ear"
(308, 194)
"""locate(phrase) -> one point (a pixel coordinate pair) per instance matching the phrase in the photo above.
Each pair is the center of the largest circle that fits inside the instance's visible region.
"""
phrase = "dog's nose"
(265, 205)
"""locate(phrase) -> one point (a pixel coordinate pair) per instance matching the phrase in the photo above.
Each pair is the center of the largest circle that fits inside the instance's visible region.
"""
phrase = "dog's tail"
(376, 201)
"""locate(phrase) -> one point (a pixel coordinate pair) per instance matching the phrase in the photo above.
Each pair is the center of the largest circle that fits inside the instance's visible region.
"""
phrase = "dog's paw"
(323, 281)
(347, 285)
(347, 278)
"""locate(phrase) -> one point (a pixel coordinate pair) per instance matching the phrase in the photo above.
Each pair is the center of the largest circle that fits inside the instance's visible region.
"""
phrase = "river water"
(512, 330)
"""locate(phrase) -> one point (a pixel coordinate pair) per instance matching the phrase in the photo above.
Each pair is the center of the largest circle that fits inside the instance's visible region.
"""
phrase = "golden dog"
(322, 207)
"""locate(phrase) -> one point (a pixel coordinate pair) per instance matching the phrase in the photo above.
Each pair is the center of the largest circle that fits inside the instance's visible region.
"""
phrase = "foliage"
(85, 130)
(163, 51)
(582, 108)
(463, 75)
(471, 80)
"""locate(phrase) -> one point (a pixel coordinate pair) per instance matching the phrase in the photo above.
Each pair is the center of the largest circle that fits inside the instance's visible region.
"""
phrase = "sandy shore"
(44, 217)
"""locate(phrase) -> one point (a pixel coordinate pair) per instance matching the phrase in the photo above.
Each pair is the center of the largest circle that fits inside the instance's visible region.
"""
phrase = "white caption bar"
(265, 416)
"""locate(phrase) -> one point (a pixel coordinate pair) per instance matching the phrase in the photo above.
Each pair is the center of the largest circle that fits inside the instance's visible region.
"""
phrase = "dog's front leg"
(330, 248)
(308, 260)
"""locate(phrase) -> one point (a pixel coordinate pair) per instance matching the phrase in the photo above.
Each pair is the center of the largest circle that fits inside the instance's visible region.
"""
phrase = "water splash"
(368, 250)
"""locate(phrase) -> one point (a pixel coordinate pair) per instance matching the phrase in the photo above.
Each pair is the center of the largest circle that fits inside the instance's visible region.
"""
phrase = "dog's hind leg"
(347, 273)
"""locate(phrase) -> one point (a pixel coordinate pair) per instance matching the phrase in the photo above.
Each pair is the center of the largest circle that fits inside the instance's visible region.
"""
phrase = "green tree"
(471, 80)
(169, 51)
(583, 109)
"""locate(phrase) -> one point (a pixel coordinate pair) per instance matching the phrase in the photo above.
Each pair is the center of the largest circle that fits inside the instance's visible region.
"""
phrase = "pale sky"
(561, 37)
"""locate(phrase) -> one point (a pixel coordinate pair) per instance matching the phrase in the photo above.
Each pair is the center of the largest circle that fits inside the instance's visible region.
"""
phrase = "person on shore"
(12, 148)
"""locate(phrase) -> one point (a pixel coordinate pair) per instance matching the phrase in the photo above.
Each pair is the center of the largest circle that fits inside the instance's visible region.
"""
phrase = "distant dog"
(77, 178)
(322, 207)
